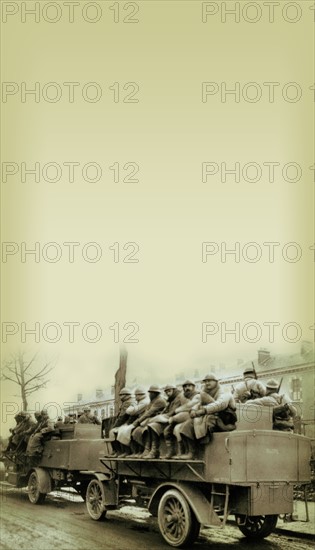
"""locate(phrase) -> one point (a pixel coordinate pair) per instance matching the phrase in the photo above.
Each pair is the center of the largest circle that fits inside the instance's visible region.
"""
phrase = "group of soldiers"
(83, 417)
(186, 418)
(183, 418)
(28, 436)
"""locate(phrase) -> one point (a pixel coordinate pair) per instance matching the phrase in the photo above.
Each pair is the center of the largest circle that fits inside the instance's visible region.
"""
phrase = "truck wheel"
(177, 522)
(34, 494)
(256, 527)
(95, 500)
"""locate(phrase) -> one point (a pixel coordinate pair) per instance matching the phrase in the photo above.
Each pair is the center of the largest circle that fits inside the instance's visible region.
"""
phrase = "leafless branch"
(40, 374)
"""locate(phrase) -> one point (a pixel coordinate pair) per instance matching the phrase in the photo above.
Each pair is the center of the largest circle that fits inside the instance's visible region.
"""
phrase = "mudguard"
(195, 498)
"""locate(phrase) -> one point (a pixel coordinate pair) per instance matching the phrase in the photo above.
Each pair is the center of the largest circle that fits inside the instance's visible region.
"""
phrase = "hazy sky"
(165, 159)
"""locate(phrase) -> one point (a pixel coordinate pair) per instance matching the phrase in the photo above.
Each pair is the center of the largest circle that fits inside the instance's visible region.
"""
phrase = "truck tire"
(256, 527)
(177, 522)
(95, 500)
(34, 494)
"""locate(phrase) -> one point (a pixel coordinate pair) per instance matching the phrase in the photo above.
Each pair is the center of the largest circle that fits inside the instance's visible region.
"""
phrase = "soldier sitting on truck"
(43, 431)
(59, 423)
(130, 447)
(182, 413)
(141, 435)
(70, 418)
(250, 387)
(214, 412)
(88, 418)
(11, 442)
(160, 424)
(126, 399)
(21, 432)
(282, 408)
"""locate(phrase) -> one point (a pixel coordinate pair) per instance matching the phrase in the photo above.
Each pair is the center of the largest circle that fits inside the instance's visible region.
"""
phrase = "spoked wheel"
(95, 500)
(256, 527)
(177, 522)
(34, 494)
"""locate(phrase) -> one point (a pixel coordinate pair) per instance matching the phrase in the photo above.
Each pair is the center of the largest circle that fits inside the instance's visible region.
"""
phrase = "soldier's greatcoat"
(156, 406)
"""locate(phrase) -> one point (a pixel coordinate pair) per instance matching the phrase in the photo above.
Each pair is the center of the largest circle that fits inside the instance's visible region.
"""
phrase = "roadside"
(299, 526)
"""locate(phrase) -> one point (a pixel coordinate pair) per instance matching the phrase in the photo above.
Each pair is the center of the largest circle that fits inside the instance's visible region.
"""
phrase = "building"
(101, 403)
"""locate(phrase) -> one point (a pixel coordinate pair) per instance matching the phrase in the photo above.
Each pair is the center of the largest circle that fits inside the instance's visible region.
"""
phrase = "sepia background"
(165, 128)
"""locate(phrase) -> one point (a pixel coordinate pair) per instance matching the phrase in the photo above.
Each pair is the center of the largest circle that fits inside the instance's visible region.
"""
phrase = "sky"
(171, 231)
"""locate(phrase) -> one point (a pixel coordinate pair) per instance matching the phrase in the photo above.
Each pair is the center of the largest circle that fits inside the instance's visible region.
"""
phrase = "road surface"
(62, 523)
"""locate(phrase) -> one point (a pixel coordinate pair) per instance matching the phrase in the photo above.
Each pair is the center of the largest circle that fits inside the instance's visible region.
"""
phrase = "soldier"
(59, 423)
(134, 410)
(283, 410)
(126, 400)
(42, 431)
(87, 417)
(141, 435)
(182, 413)
(161, 423)
(11, 445)
(250, 388)
(24, 430)
(71, 419)
(217, 406)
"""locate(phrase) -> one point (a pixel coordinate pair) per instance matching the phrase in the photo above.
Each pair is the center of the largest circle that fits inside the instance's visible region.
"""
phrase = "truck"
(248, 473)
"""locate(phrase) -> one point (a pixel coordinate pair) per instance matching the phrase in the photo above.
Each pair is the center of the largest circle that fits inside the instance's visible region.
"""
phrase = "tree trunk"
(120, 376)
(23, 395)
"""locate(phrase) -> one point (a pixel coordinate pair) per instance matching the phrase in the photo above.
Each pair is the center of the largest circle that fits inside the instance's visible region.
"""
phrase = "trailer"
(248, 473)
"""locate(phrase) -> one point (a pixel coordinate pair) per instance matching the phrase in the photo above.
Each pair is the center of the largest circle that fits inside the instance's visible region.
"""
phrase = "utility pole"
(120, 376)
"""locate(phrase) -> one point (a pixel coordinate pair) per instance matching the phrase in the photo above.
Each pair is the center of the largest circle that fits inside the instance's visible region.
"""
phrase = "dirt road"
(62, 523)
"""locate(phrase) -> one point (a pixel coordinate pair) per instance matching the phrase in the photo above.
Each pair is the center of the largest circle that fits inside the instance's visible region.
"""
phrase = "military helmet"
(188, 383)
(210, 376)
(272, 384)
(140, 391)
(86, 409)
(18, 415)
(37, 414)
(170, 387)
(44, 412)
(249, 370)
(23, 414)
(125, 391)
(154, 388)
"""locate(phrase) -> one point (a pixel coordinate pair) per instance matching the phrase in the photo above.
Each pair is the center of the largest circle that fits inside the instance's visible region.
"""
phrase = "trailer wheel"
(34, 494)
(177, 522)
(95, 500)
(256, 527)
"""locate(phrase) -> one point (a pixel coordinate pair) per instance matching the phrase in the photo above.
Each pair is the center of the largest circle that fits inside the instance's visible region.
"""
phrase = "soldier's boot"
(135, 449)
(116, 449)
(125, 450)
(170, 448)
(191, 451)
(147, 446)
(155, 446)
(181, 450)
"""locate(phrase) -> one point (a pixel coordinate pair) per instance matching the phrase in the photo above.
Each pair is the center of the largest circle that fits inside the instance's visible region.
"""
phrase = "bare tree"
(26, 374)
